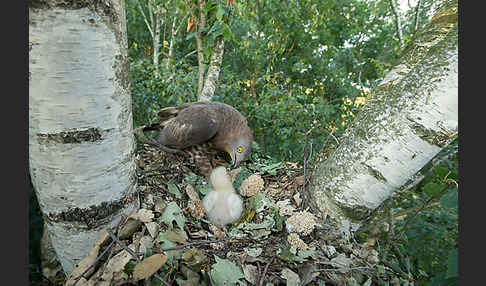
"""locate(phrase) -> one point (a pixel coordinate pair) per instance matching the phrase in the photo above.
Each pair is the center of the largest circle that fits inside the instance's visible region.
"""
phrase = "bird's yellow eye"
(239, 149)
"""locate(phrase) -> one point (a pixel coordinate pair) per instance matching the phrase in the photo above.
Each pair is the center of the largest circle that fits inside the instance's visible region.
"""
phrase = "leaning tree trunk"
(410, 117)
(81, 146)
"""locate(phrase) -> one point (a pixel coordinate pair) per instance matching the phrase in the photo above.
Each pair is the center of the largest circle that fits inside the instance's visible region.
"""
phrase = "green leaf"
(432, 188)
(129, 267)
(259, 202)
(225, 272)
(191, 178)
(303, 254)
(172, 188)
(148, 253)
(165, 242)
(171, 213)
(227, 33)
(220, 13)
(450, 200)
(216, 29)
(452, 264)
(441, 172)
(289, 253)
(190, 35)
(279, 220)
(240, 177)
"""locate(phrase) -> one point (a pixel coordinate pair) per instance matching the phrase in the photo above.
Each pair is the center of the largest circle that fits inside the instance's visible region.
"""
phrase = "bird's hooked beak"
(236, 162)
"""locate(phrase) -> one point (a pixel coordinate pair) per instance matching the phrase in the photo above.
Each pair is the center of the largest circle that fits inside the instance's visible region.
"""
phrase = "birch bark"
(411, 116)
(81, 146)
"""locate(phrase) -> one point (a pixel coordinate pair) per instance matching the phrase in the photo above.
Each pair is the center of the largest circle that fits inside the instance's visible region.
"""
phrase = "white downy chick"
(223, 205)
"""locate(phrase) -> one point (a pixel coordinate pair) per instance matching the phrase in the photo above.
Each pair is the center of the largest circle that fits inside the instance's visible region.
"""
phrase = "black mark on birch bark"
(376, 174)
(72, 137)
(94, 215)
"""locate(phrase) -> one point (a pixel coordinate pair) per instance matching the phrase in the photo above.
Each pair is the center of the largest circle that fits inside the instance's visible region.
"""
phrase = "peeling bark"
(81, 146)
(411, 116)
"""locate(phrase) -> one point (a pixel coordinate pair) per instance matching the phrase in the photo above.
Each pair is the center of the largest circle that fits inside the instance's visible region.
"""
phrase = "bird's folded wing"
(193, 125)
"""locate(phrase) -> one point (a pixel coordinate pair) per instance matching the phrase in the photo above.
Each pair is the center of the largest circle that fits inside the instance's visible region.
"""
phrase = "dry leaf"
(307, 273)
(146, 242)
(190, 25)
(251, 273)
(153, 229)
(297, 199)
(191, 193)
(145, 215)
(199, 234)
(285, 208)
(194, 256)
(177, 235)
(160, 205)
(129, 228)
(299, 180)
(291, 277)
(114, 267)
(149, 266)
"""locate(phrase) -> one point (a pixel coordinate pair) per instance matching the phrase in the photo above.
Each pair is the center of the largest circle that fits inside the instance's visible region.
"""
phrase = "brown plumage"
(204, 128)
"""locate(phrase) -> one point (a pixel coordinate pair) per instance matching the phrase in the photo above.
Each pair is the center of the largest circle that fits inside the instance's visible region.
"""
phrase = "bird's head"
(240, 146)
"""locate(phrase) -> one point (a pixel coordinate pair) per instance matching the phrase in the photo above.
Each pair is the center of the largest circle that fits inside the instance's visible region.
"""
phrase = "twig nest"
(144, 215)
(251, 185)
(295, 240)
(301, 222)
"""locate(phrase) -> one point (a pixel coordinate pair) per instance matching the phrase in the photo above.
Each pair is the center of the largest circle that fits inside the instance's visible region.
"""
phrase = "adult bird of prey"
(204, 128)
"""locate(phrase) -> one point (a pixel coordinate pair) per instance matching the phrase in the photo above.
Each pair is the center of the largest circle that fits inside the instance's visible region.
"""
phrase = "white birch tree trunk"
(410, 117)
(173, 34)
(156, 41)
(398, 22)
(81, 146)
(201, 24)
(211, 77)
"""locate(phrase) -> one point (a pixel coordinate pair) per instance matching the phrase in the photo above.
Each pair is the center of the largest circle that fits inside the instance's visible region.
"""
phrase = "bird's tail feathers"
(220, 179)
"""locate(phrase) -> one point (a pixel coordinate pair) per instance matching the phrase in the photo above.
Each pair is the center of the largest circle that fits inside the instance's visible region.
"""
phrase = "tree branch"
(398, 24)
(416, 20)
(145, 19)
